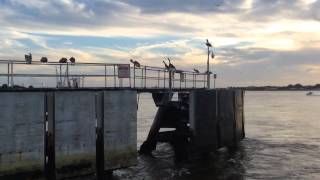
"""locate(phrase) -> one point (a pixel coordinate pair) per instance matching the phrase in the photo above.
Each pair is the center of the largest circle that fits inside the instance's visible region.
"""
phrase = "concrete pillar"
(22, 132)
(120, 129)
(239, 114)
(75, 136)
(226, 116)
(203, 120)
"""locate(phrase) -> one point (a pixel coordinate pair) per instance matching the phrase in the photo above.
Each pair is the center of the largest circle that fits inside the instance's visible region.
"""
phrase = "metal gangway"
(37, 74)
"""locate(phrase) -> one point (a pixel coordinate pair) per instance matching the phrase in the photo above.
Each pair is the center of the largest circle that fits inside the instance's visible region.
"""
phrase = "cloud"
(189, 6)
(256, 41)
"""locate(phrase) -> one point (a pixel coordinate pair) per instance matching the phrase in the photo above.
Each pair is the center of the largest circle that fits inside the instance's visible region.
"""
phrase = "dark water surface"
(282, 142)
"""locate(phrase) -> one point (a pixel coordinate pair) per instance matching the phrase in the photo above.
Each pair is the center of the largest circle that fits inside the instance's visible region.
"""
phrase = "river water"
(282, 142)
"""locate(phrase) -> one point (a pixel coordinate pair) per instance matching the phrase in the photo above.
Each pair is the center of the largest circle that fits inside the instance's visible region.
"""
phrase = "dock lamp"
(210, 54)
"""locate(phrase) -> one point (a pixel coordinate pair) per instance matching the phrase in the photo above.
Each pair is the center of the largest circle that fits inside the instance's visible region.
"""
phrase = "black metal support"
(99, 133)
(170, 114)
(49, 137)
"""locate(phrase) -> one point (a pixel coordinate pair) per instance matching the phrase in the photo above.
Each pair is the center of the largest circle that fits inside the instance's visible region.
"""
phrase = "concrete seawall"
(22, 132)
(216, 119)
(53, 134)
(202, 121)
(58, 134)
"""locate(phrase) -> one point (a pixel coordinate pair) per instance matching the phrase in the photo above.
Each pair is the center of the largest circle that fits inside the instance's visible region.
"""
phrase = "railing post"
(181, 74)
(158, 78)
(145, 77)
(185, 80)
(8, 83)
(134, 76)
(60, 73)
(170, 79)
(142, 77)
(164, 78)
(105, 75)
(68, 80)
(114, 76)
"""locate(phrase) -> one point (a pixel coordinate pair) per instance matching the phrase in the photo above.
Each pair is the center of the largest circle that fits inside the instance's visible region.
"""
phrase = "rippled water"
(282, 142)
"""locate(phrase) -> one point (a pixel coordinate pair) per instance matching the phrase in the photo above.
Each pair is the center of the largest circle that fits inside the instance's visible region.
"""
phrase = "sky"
(256, 42)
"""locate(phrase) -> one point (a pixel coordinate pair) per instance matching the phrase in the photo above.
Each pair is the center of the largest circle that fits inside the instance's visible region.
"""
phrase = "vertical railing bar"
(185, 80)
(145, 77)
(8, 83)
(129, 76)
(158, 78)
(114, 76)
(142, 77)
(193, 79)
(134, 76)
(12, 74)
(164, 78)
(105, 75)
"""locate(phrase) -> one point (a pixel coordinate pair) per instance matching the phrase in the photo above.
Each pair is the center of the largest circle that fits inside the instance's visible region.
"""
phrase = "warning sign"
(182, 77)
(124, 71)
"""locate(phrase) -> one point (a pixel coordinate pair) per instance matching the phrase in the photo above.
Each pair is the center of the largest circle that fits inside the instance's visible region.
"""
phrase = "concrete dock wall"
(226, 116)
(75, 141)
(22, 133)
(120, 129)
(216, 118)
(54, 133)
(239, 115)
(203, 119)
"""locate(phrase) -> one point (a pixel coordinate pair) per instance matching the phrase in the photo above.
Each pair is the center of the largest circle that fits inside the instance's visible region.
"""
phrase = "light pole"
(208, 44)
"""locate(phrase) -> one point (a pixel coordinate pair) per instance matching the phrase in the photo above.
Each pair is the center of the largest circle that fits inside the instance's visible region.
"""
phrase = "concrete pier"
(75, 134)
(204, 120)
(61, 133)
(120, 129)
(22, 133)
(53, 134)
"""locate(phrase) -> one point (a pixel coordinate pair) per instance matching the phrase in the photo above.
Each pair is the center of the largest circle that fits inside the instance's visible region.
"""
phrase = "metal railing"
(54, 74)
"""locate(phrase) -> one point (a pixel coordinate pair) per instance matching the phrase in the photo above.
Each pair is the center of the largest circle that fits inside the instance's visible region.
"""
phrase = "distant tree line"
(279, 88)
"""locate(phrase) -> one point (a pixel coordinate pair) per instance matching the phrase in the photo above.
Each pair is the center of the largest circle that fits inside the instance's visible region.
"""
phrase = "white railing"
(65, 75)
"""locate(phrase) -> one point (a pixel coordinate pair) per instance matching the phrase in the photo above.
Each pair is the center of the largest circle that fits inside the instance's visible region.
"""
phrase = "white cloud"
(246, 34)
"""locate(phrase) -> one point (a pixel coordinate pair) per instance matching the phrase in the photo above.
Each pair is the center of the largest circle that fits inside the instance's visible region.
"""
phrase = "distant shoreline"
(281, 89)
(290, 87)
